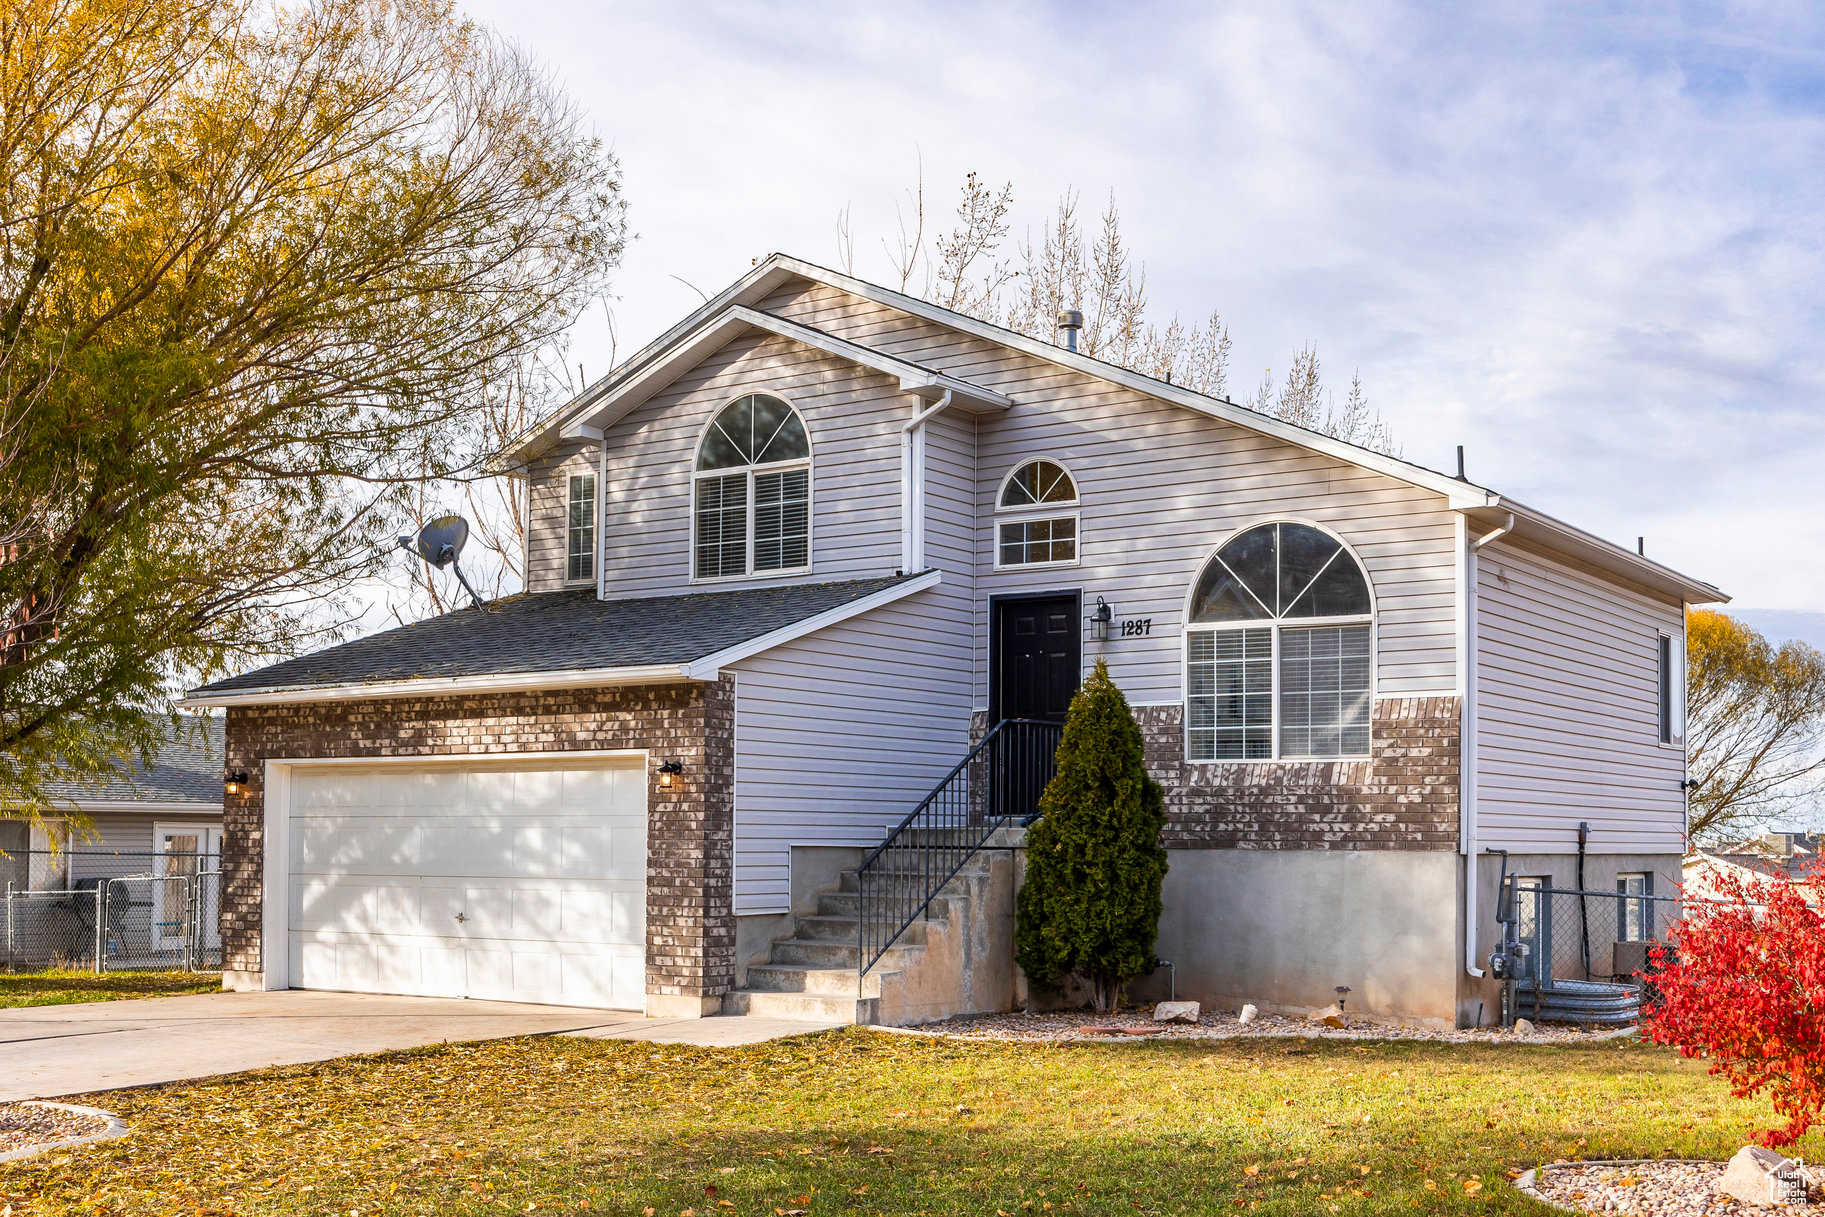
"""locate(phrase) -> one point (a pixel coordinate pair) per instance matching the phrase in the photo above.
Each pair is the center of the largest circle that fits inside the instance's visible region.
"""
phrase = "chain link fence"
(1577, 956)
(111, 911)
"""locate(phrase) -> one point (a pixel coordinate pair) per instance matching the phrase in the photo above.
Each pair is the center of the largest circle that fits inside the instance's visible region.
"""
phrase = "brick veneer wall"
(1405, 796)
(690, 921)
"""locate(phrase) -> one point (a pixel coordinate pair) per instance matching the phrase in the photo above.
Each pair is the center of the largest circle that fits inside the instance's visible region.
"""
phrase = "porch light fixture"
(1101, 618)
(234, 781)
(668, 772)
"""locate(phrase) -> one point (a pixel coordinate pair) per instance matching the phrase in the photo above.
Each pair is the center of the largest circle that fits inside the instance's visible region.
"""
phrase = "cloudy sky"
(1584, 242)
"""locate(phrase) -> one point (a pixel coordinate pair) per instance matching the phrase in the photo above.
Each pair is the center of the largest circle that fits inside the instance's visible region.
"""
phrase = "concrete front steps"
(936, 969)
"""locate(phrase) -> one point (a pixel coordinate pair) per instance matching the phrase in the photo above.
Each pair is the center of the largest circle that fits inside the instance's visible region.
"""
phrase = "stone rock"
(1751, 1176)
(1523, 1026)
(1247, 1016)
(1330, 1016)
(1176, 1012)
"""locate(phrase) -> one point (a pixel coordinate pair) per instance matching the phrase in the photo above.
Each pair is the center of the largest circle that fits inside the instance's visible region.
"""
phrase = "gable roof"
(563, 639)
(187, 770)
(732, 311)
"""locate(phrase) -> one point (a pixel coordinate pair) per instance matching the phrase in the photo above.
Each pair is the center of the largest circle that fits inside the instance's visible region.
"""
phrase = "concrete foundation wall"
(1283, 928)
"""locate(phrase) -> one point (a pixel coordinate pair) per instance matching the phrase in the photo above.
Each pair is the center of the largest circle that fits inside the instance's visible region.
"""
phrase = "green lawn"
(861, 1122)
(60, 987)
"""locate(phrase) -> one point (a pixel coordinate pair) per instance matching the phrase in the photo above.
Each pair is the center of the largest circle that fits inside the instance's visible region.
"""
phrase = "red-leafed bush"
(1741, 983)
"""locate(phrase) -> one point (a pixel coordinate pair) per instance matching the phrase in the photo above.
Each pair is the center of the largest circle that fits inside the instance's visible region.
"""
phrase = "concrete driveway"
(49, 1051)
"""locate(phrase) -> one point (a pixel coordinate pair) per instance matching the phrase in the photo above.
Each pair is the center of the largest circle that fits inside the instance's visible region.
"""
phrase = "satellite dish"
(440, 543)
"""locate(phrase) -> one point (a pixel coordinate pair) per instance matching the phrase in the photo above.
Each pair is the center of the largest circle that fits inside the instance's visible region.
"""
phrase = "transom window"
(1278, 650)
(1040, 536)
(752, 499)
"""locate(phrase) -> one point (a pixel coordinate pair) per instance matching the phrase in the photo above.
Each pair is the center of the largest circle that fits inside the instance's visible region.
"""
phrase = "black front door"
(1038, 657)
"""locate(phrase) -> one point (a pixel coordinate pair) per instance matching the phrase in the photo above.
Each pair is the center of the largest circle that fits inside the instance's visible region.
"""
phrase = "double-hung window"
(1279, 650)
(580, 529)
(751, 503)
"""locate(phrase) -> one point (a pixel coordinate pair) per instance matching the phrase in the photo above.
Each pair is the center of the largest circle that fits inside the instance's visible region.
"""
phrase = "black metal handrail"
(1000, 780)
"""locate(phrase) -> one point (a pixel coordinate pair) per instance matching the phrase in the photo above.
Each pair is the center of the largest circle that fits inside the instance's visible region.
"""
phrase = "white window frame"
(595, 525)
(1672, 732)
(1645, 907)
(1068, 509)
(1275, 625)
(697, 475)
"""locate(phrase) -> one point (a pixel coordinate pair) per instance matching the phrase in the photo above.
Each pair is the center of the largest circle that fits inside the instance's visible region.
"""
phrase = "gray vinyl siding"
(839, 734)
(853, 416)
(1161, 488)
(548, 512)
(1568, 711)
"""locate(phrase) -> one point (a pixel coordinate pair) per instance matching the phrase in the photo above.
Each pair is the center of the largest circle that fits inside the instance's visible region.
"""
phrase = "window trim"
(807, 463)
(1275, 625)
(1646, 900)
(1071, 509)
(1669, 690)
(595, 526)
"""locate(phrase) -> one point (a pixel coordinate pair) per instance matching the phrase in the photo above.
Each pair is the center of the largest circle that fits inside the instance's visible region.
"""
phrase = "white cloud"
(1586, 245)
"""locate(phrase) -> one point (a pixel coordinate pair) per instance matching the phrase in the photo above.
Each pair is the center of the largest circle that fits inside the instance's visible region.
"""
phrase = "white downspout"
(912, 487)
(1465, 571)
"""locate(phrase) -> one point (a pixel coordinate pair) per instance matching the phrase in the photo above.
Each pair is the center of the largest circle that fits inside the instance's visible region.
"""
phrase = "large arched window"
(1279, 649)
(1038, 527)
(752, 500)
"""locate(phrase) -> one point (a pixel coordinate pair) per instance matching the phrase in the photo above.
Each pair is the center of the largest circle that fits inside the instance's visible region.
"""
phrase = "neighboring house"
(173, 806)
(790, 561)
(1751, 862)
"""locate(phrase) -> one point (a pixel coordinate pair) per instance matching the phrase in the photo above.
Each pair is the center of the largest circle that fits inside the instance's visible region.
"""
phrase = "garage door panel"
(545, 865)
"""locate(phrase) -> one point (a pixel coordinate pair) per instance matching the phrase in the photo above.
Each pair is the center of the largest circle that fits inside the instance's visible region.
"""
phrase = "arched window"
(752, 499)
(1041, 535)
(1279, 649)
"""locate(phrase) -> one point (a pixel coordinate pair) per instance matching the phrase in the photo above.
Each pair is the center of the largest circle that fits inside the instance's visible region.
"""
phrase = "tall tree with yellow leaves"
(259, 266)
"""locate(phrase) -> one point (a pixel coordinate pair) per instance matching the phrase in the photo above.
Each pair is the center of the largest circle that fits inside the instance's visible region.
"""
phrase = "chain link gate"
(164, 919)
(1575, 955)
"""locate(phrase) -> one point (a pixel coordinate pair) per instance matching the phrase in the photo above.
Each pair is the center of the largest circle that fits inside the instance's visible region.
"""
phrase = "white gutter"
(912, 486)
(1465, 579)
(444, 686)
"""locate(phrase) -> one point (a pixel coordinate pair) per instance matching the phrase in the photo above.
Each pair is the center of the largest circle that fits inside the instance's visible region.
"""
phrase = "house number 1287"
(1137, 627)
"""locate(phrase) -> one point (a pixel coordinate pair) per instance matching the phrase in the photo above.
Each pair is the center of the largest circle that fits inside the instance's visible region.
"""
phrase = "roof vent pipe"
(1070, 324)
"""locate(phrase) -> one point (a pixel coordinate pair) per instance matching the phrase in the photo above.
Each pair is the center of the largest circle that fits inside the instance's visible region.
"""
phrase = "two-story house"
(789, 563)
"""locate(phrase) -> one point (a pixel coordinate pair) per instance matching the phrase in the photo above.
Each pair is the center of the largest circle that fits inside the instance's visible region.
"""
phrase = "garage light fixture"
(668, 772)
(234, 781)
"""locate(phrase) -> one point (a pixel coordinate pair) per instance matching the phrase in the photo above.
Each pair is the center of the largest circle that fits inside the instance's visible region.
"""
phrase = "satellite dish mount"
(440, 543)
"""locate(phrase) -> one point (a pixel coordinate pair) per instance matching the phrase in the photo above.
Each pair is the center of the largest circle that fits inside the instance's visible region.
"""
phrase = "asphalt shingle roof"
(188, 769)
(559, 631)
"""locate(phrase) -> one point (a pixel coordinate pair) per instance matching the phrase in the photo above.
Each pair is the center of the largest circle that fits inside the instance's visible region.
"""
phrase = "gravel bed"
(23, 1125)
(1643, 1189)
(1076, 1025)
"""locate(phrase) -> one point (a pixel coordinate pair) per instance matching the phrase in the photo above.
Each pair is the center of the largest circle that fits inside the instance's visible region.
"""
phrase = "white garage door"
(515, 882)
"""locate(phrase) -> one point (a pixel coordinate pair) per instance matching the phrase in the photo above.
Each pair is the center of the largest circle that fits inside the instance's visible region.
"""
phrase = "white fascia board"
(1560, 537)
(445, 686)
(736, 319)
(710, 666)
